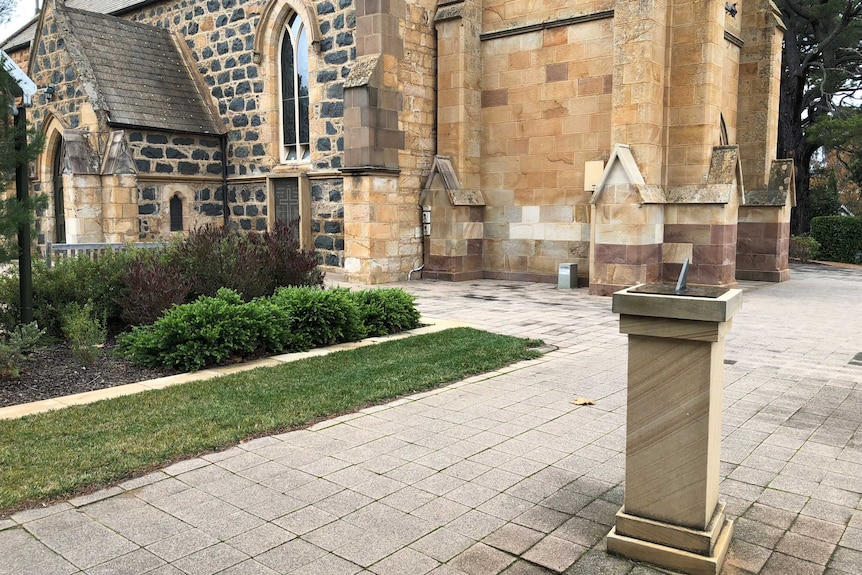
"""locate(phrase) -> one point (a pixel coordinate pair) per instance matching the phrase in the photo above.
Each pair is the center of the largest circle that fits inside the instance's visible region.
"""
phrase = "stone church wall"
(546, 104)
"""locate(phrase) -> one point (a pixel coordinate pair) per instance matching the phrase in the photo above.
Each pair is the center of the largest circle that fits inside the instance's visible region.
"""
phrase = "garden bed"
(52, 371)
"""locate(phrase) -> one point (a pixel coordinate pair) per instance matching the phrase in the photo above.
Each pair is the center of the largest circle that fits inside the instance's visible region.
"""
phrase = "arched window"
(293, 69)
(176, 208)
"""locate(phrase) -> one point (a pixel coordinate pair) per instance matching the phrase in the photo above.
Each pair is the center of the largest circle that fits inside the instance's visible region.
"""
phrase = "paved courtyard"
(502, 473)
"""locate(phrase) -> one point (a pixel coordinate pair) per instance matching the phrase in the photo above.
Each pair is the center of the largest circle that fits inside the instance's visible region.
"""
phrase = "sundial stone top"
(699, 303)
(691, 291)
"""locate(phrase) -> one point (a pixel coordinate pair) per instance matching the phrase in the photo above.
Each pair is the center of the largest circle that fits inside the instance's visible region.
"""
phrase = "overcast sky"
(24, 11)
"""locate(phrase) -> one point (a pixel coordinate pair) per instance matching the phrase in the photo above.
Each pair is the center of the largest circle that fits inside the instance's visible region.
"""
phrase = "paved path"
(501, 472)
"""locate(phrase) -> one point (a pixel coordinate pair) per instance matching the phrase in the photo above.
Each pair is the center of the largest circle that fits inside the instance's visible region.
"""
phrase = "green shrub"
(208, 331)
(84, 331)
(804, 248)
(385, 311)
(840, 238)
(15, 346)
(152, 286)
(321, 317)
(75, 279)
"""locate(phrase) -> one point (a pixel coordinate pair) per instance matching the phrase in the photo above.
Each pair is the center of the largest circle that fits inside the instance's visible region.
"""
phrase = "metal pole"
(22, 183)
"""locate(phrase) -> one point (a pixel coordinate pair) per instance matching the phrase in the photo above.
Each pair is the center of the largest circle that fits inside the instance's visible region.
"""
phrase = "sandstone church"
(469, 138)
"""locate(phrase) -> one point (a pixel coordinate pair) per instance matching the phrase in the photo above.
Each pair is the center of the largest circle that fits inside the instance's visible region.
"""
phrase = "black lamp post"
(24, 88)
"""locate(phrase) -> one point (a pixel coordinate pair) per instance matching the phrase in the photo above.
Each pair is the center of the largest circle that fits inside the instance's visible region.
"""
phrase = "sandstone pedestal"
(672, 516)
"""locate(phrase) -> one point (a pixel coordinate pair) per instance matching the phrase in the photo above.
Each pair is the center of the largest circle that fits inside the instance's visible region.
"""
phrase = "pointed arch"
(49, 172)
(272, 21)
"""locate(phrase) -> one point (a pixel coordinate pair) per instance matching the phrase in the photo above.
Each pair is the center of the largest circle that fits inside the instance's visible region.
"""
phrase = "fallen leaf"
(584, 401)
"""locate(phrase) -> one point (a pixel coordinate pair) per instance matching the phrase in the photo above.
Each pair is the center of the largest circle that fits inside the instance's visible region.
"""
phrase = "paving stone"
(135, 563)
(440, 511)
(782, 500)
(781, 564)
(23, 553)
(513, 539)
(581, 531)
(260, 539)
(143, 480)
(343, 503)
(757, 533)
(182, 544)
(598, 562)
(852, 539)
(210, 560)
(475, 524)
(481, 559)
(368, 549)
(542, 519)
(827, 511)
(247, 567)
(39, 512)
(747, 557)
(334, 535)
(505, 506)
(304, 520)
(521, 567)
(818, 529)
(600, 511)
(185, 466)
(555, 553)
(847, 560)
(442, 544)
(328, 565)
(290, 556)
(406, 561)
(806, 548)
(770, 516)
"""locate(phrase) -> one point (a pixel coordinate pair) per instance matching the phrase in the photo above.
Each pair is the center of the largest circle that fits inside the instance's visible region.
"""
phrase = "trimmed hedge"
(211, 330)
(840, 238)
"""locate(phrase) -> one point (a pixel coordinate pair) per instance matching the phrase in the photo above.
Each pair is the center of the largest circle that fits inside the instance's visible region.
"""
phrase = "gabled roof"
(24, 36)
(136, 74)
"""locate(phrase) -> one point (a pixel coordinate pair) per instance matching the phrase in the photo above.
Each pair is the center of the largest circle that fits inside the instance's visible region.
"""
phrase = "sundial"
(681, 288)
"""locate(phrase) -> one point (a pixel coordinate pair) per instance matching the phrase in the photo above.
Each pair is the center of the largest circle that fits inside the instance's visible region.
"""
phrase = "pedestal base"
(672, 546)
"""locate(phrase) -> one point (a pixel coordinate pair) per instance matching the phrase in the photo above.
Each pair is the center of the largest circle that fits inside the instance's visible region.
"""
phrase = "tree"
(841, 137)
(12, 212)
(821, 72)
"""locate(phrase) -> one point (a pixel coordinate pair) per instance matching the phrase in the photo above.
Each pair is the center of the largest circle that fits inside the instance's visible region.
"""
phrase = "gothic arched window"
(293, 69)
(176, 208)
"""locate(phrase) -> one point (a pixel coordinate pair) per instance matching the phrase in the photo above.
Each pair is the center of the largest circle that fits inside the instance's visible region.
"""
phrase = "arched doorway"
(59, 205)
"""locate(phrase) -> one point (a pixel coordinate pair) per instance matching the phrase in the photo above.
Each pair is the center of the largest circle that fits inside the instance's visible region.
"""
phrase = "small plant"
(85, 332)
(74, 279)
(385, 311)
(15, 346)
(321, 317)
(804, 248)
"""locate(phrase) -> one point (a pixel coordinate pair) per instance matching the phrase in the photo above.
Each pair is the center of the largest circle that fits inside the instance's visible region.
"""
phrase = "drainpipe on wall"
(225, 210)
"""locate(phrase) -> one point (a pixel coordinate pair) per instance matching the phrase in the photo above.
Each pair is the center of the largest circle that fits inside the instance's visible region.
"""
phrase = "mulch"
(53, 371)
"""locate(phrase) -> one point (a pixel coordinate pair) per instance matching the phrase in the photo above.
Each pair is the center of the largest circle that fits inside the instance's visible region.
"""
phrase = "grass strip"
(59, 453)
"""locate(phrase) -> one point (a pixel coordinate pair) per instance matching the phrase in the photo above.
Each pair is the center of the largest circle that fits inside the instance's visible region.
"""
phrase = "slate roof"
(25, 35)
(139, 74)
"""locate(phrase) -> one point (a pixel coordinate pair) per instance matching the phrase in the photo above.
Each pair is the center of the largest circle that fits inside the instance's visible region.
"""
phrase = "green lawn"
(59, 453)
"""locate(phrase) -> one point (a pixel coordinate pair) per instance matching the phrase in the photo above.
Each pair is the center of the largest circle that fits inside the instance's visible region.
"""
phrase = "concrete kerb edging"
(21, 410)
